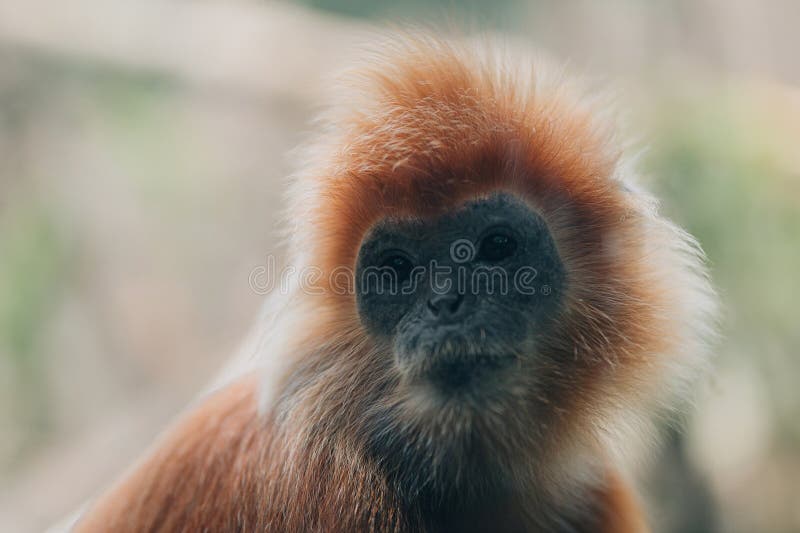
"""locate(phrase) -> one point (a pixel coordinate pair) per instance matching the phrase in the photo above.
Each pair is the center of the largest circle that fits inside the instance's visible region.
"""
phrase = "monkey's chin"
(453, 377)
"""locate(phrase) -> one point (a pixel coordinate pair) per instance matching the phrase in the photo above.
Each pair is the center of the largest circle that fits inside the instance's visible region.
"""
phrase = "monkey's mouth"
(466, 372)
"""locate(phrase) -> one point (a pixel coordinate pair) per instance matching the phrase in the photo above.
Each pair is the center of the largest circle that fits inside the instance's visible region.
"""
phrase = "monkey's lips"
(454, 373)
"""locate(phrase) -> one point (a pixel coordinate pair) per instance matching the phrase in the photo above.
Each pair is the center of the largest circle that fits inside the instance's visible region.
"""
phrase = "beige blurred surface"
(143, 151)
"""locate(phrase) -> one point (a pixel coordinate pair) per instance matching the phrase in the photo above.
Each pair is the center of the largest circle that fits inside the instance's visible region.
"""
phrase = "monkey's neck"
(503, 508)
(463, 488)
(604, 505)
(460, 488)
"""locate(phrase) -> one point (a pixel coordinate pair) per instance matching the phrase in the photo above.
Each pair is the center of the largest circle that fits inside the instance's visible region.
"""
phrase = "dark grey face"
(461, 297)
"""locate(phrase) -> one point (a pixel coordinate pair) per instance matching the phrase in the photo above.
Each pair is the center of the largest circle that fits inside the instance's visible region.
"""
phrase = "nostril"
(455, 303)
(447, 303)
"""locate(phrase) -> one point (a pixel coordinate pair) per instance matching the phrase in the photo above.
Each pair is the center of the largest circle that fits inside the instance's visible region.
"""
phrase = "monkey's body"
(221, 469)
(446, 408)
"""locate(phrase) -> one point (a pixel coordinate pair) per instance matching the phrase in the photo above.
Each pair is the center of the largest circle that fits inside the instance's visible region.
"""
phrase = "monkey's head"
(493, 295)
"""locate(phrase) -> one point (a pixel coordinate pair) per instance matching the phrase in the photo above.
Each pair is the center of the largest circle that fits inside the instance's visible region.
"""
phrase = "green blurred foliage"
(140, 113)
(490, 13)
(31, 272)
(721, 177)
(135, 115)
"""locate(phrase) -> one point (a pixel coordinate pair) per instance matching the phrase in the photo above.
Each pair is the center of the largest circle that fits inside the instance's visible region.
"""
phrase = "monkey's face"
(461, 298)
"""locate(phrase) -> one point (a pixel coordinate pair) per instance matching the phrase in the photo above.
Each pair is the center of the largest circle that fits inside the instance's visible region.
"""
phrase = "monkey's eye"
(497, 246)
(400, 264)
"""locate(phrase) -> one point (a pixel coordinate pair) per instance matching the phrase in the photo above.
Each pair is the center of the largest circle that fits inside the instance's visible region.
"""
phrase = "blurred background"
(143, 148)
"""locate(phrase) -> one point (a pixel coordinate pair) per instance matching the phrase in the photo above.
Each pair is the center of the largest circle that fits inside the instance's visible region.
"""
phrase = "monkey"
(498, 317)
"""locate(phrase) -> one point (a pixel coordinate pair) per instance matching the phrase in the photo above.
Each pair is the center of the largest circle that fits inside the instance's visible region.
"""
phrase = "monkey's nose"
(445, 305)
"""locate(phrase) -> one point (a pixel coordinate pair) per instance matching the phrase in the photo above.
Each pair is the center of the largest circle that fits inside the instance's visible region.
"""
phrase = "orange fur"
(219, 469)
(428, 126)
